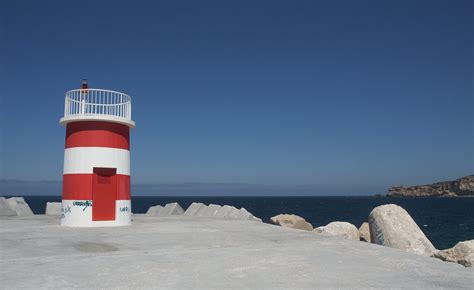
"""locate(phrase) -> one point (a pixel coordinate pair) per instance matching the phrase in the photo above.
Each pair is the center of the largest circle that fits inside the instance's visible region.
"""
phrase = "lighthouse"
(96, 174)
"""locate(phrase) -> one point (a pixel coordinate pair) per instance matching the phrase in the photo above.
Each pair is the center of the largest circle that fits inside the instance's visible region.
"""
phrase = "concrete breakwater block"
(225, 211)
(194, 208)
(339, 229)
(231, 212)
(5, 209)
(209, 211)
(244, 214)
(169, 209)
(53, 208)
(216, 211)
(392, 226)
(291, 221)
(154, 210)
(173, 209)
(19, 205)
(462, 253)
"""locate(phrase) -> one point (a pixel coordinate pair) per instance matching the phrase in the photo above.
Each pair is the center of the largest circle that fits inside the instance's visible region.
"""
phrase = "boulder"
(291, 221)
(19, 205)
(392, 226)
(5, 209)
(339, 229)
(54, 208)
(464, 185)
(364, 232)
(462, 253)
(169, 209)
(194, 208)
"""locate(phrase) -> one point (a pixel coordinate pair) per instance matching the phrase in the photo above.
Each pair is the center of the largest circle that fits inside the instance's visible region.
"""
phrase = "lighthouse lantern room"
(96, 176)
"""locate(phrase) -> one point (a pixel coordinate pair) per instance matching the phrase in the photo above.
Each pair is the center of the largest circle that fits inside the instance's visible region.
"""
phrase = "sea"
(445, 221)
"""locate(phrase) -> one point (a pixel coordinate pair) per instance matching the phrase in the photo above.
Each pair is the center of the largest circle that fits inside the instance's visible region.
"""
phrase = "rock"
(462, 253)
(291, 221)
(364, 232)
(339, 229)
(169, 209)
(194, 208)
(5, 209)
(458, 187)
(392, 226)
(464, 186)
(54, 208)
(19, 205)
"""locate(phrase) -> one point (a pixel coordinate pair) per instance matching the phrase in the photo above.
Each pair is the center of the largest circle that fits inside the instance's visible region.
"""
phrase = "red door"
(104, 194)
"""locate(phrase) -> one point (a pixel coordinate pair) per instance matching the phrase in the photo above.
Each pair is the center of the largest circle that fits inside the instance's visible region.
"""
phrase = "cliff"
(460, 187)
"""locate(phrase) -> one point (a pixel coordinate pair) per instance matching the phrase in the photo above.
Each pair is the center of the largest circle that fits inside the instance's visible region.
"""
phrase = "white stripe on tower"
(82, 160)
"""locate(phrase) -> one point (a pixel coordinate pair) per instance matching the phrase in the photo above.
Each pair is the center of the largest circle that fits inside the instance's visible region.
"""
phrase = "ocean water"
(445, 221)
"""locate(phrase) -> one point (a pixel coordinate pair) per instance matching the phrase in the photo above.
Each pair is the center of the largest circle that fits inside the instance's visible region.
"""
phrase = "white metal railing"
(97, 102)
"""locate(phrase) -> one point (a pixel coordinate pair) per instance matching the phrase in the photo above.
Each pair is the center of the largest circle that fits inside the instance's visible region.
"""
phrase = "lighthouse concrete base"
(78, 213)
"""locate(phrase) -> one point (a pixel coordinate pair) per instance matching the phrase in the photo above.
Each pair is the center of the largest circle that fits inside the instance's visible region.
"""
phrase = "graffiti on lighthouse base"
(85, 204)
(65, 210)
(78, 213)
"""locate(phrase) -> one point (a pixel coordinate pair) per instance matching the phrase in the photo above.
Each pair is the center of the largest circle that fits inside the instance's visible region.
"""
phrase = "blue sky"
(346, 95)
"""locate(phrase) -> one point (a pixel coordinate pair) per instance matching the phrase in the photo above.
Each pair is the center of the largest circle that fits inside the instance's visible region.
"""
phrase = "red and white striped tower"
(96, 177)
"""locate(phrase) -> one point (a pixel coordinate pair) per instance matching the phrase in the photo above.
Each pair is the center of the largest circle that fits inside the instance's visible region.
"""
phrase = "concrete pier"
(190, 252)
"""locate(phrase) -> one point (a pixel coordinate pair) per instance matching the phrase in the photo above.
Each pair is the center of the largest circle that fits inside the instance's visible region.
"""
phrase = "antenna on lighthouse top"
(84, 87)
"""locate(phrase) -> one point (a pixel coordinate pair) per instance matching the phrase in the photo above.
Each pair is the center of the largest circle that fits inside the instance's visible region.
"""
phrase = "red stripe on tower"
(97, 134)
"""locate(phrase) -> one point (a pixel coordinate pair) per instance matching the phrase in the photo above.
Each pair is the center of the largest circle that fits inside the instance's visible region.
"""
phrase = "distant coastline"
(461, 187)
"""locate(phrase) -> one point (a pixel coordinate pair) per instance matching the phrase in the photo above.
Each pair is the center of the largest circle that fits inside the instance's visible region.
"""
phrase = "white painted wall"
(82, 160)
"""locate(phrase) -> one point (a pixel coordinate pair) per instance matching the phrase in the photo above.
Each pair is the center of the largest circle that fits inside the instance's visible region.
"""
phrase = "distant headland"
(463, 186)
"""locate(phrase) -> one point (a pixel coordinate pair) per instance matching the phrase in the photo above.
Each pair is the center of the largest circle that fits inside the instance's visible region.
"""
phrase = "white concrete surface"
(189, 252)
